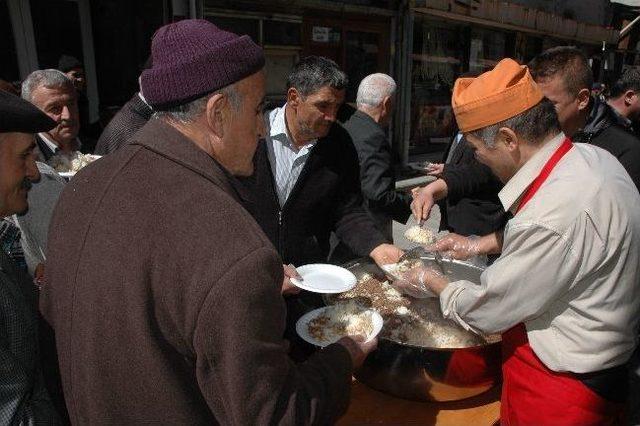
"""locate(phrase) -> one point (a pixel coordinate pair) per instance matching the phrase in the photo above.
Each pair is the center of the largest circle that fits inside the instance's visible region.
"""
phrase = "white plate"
(67, 175)
(302, 326)
(323, 278)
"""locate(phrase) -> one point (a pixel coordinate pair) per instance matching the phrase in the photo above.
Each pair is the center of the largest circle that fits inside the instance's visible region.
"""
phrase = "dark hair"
(315, 72)
(533, 125)
(629, 80)
(566, 61)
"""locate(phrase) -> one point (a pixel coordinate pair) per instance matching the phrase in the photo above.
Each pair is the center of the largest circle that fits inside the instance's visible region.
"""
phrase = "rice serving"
(64, 163)
(416, 322)
(340, 320)
(419, 235)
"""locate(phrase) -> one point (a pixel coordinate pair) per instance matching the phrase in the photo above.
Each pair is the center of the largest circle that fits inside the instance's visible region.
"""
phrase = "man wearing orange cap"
(564, 291)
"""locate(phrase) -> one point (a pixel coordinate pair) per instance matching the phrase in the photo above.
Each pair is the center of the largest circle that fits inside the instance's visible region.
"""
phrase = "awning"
(633, 3)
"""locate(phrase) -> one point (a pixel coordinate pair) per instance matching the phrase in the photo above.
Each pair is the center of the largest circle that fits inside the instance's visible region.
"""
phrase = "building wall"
(590, 11)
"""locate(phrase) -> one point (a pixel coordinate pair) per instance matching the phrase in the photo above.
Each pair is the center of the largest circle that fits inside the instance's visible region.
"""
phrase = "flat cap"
(492, 97)
(18, 115)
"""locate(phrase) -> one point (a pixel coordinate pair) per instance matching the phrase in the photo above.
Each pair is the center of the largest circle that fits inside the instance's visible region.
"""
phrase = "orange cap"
(499, 94)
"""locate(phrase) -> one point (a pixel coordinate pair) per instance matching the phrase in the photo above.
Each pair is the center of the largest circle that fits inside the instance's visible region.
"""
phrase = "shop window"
(241, 26)
(486, 49)
(361, 59)
(438, 57)
(9, 70)
(278, 33)
(281, 41)
(527, 47)
(56, 26)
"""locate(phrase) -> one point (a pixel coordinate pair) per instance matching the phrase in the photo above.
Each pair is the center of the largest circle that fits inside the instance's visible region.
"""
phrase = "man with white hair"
(366, 126)
(54, 93)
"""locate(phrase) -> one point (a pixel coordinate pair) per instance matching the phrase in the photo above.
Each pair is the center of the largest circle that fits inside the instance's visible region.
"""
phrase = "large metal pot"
(428, 373)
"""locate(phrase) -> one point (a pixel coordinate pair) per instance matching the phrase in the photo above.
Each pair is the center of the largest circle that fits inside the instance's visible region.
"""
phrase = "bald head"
(376, 97)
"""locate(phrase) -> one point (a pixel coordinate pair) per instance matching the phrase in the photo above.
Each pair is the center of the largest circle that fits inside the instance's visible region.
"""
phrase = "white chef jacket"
(570, 264)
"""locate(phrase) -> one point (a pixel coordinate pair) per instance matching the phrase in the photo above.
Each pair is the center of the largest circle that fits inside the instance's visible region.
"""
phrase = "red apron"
(531, 393)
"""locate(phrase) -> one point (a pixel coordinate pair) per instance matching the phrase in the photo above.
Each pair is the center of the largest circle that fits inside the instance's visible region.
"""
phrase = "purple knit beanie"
(192, 58)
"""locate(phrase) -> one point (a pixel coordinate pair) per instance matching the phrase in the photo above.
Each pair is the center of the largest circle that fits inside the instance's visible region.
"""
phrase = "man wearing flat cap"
(163, 292)
(23, 396)
(564, 292)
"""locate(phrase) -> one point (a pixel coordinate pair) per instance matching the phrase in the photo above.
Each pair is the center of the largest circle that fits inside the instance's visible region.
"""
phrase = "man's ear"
(508, 137)
(293, 97)
(216, 108)
(584, 96)
(628, 97)
(386, 104)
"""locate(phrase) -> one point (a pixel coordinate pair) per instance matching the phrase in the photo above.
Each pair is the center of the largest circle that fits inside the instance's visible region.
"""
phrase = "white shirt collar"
(53, 146)
(279, 131)
(518, 184)
(49, 142)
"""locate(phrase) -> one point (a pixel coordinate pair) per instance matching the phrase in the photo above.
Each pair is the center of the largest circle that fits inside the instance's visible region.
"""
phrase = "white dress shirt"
(570, 264)
(287, 161)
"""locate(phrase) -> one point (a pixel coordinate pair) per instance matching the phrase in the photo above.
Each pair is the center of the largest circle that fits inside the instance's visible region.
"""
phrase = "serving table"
(370, 407)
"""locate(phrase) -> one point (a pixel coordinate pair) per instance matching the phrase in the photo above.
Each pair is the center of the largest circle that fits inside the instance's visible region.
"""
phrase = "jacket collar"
(601, 116)
(163, 139)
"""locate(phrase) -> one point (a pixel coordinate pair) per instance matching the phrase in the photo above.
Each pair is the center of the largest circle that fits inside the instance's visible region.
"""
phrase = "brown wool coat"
(164, 295)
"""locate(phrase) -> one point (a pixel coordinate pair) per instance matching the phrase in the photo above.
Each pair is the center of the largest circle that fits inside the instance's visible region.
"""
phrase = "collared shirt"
(454, 145)
(569, 265)
(53, 146)
(10, 236)
(287, 161)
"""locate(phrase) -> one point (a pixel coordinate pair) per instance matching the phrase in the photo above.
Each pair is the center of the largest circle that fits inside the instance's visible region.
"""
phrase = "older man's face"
(497, 157)
(61, 105)
(17, 170)
(246, 126)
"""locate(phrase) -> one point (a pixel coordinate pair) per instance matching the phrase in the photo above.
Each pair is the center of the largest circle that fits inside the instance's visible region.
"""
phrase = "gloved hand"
(420, 282)
(456, 246)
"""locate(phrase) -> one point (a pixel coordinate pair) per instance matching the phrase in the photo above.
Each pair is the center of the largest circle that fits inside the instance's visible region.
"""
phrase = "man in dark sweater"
(306, 182)
(169, 310)
(131, 117)
(564, 77)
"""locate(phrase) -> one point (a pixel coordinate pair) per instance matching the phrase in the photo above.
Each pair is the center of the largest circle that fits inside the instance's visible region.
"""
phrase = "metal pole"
(625, 30)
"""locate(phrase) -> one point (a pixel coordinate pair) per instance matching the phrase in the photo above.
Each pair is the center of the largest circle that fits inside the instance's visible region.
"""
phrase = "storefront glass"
(439, 57)
(9, 63)
(442, 52)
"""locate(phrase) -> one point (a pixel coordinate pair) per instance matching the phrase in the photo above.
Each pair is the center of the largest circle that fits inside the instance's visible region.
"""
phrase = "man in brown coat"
(163, 292)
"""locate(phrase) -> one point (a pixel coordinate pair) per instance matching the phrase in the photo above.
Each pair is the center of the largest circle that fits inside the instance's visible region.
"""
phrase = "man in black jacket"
(564, 77)
(306, 179)
(466, 191)
(366, 127)
(624, 98)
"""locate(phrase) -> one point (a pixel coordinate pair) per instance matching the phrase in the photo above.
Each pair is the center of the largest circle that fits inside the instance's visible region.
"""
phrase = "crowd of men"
(154, 287)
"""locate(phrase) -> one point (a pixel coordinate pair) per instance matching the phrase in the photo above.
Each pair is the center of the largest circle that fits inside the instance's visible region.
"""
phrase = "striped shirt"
(287, 161)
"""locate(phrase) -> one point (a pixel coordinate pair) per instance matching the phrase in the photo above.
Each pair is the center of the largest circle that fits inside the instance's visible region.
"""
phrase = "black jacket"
(377, 177)
(603, 130)
(131, 117)
(472, 206)
(325, 198)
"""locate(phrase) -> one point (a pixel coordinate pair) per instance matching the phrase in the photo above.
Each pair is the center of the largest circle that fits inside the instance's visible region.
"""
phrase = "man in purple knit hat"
(163, 292)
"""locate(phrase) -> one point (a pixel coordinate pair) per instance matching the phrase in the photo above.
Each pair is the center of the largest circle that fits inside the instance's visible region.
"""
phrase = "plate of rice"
(67, 165)
(324, 326)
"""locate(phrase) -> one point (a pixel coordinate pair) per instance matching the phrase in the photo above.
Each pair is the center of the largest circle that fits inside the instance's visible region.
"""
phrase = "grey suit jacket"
(23, 397)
